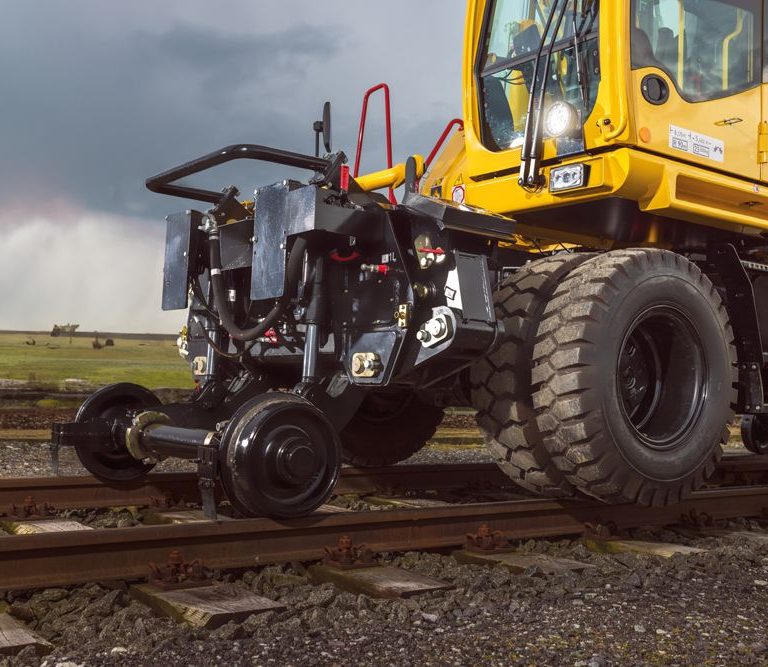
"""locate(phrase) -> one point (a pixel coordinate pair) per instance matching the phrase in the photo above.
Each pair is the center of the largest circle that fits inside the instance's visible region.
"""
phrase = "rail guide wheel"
(279, 457)
(389, 427)
(108, 459)
(754, 433)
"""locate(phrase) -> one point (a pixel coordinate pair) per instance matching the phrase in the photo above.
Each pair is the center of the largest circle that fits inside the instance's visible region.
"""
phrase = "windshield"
(507, 61)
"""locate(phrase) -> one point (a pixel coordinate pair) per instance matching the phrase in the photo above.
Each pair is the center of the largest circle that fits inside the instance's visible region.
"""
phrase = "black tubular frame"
(164, 183)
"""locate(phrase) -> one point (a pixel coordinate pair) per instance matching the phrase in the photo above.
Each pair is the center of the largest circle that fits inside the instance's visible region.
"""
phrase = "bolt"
(358, 365)
(423, 335)
(436, 327)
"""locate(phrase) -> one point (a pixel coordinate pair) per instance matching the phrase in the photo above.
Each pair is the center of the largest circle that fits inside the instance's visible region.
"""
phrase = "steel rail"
(170, 488)
(163, 489)
(55, 559)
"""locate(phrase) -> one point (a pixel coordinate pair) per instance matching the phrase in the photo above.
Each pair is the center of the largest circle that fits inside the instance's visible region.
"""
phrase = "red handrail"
(361, 133)
(456, 121)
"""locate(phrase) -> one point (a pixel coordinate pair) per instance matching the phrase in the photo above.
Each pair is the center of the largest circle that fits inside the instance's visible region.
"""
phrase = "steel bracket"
(207, 468)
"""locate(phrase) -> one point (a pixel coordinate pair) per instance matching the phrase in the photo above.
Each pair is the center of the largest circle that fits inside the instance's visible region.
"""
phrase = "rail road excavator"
(583, 261)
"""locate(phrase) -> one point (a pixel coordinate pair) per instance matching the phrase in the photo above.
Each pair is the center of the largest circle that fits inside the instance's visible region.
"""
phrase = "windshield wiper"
(530, 178)
(588, 13)
(577, 57)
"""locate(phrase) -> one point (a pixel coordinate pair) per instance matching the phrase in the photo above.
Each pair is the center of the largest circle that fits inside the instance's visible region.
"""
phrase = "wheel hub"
(293, 460)
(661, 377)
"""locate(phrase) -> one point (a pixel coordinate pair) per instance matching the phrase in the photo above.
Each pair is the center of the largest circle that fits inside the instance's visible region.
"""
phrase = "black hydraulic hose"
(292, 276)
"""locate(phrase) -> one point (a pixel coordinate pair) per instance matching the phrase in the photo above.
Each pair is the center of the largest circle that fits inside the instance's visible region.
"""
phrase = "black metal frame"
(724, 261)
(163, 183)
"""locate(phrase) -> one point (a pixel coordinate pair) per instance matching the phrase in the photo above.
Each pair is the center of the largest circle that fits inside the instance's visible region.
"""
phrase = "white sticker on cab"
(696, 144)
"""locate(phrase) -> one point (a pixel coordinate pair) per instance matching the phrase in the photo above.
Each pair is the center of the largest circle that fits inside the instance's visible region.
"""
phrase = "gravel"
(704, 609)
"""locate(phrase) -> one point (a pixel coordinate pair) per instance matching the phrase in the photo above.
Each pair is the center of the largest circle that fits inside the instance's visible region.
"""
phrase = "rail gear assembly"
(584, 263)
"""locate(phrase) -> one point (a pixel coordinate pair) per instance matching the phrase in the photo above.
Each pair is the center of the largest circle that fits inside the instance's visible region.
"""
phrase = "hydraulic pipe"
(292, 275)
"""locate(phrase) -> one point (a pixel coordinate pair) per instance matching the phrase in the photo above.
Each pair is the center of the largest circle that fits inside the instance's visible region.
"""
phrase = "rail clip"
(485, 540)
(348, 556)
(176, 573)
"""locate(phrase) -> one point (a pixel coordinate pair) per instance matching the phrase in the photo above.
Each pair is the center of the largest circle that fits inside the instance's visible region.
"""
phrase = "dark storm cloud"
(95, 96)
(92, 119)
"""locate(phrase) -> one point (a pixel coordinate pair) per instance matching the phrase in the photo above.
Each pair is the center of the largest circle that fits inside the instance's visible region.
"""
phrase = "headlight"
(559, 119)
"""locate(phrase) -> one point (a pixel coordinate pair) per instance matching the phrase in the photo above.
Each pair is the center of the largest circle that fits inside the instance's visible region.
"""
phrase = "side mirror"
(327, 126)
(323, 127)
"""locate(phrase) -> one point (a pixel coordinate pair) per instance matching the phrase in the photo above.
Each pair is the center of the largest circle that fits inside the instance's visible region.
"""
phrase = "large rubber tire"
(635, 370)
(500, 384)
(389, 427)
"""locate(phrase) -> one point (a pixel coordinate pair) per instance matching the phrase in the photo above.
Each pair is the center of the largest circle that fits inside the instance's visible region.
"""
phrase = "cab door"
(696, 73)
(762, 136)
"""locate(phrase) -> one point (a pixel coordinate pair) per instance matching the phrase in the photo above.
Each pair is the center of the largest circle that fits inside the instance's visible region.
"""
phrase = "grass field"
(151, 363)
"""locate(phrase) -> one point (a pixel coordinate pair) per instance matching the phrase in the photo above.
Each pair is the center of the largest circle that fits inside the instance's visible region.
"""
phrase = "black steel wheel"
(109, 461)
(280, 457)
(388, 427)
(754, 433)
(635, 377)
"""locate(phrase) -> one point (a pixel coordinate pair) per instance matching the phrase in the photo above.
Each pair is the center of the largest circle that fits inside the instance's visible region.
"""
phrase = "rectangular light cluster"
(567, 178)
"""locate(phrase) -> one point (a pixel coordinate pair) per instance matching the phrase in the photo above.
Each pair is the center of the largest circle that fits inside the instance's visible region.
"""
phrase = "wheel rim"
(281, 458)
(661, 376)
(113, 403)
(754, 433)
(379, 408)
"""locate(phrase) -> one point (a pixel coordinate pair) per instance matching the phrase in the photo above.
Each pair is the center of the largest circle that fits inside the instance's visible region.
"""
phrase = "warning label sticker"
(696, 144)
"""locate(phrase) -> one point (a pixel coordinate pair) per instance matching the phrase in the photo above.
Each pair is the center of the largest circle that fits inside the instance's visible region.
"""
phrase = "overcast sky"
(96, 95)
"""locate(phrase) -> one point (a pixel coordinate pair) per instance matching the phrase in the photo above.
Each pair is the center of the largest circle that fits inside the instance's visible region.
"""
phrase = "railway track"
(53, 559)
(166, 489)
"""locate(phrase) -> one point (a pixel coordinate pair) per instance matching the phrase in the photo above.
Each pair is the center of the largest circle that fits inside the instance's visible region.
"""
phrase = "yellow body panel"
(660, 186)
(627, 148)
(734, 120)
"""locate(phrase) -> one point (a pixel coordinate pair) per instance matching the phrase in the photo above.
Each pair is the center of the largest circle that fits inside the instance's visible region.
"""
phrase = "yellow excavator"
(584, 262)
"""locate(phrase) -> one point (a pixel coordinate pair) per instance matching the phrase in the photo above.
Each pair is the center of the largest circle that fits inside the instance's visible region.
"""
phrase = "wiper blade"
(525, 154)
(580, 79)
(530, 178)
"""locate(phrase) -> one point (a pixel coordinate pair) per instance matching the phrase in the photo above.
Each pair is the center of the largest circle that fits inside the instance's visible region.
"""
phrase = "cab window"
(511, 41)
(709, 48)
